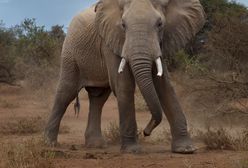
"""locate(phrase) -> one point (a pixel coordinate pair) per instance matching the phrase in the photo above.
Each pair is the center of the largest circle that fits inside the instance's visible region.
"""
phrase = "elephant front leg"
(181, 141)
(123, 87)
(128, 125)
(124, 90)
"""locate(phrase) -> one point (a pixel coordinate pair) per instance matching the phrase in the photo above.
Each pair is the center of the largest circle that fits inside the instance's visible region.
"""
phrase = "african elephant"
(115, 45)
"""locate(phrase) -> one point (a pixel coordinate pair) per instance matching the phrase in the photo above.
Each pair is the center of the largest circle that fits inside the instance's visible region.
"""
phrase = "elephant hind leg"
(93, 134)
(67, 90)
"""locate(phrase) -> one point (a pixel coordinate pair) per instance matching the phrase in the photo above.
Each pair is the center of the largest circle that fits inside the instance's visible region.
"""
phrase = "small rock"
(90, 156)
(73, 147)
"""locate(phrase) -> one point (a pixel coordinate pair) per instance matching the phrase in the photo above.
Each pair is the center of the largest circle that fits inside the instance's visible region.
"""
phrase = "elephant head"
(142, 32)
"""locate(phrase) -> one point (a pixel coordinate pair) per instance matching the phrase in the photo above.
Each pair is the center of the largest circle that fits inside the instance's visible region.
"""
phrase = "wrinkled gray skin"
(139, 31)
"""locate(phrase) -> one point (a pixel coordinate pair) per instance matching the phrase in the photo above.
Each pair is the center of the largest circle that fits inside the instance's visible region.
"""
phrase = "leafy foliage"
(28, 45)
(189, 64)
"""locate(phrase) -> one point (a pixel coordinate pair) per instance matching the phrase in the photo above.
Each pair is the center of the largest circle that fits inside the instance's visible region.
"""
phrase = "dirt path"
(16, 103)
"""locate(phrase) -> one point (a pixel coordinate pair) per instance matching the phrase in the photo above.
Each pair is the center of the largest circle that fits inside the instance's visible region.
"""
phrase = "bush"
(226, 23)
(22, 126)
(220, 139)
(112, 133)
(27, 49)
(189, 64)
(29, 154)
(227, 46)
(217, 139)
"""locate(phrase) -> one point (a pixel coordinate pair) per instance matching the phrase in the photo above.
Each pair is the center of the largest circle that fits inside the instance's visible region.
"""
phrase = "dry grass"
(27, 126)
(217, 139)
(242, 163)
(221, 139)
(22, 126)
(164, 136)
(29, 154)
(214, 139)
(112, 133)
(241, 143)
(8, 104)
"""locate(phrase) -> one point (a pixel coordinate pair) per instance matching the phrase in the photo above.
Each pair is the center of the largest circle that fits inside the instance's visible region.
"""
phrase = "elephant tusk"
(122, 65)
(159, 67)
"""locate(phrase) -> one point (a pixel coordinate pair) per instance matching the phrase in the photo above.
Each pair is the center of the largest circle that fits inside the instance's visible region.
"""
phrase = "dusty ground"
(17, 102)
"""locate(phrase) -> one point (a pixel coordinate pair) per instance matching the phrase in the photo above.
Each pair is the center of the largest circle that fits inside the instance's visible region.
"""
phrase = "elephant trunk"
(142, 70)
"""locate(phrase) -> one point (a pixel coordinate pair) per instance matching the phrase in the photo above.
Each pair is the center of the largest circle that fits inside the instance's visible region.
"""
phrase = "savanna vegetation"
(28, 51)
(212, 74)
(215, 62)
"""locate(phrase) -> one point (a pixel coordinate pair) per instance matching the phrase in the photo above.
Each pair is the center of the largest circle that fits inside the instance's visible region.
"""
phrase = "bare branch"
(9, 83)
(233, 81)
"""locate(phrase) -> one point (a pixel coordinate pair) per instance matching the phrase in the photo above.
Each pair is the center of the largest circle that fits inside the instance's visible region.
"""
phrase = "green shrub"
(27, 48)
(188, 64)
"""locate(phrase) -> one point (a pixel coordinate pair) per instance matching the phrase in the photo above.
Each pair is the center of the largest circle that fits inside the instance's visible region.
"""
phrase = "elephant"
(115, 45)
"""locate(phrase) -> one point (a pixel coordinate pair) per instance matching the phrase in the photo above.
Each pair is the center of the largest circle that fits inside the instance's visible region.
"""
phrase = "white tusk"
(122, 65)
(159, 66)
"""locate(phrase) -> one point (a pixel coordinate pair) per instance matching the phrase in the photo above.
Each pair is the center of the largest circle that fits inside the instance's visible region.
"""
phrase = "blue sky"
(46, 12)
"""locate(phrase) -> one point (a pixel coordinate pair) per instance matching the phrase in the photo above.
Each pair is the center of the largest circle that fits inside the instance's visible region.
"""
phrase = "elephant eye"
(123, 25)
(159, 23)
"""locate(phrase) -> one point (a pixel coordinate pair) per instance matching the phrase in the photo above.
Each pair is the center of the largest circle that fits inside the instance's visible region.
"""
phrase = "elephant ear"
(108, 16)
(184, 18)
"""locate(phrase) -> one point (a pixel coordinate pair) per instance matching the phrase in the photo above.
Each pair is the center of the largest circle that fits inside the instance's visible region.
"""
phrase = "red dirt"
(16, 102)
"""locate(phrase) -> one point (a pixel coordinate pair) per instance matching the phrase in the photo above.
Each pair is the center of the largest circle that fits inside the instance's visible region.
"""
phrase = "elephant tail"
(77, 106)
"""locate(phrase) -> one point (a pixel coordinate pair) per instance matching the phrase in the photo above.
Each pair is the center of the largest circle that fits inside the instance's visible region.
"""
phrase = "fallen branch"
(233, 81)
(231, 111)
(9, 83)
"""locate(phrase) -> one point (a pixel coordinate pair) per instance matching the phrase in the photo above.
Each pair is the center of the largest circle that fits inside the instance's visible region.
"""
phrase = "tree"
(28, 45)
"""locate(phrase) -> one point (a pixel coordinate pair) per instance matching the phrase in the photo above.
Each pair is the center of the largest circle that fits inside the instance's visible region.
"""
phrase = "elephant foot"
(50, 140)
(131, 148)
(95, 142)
(183, 145)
